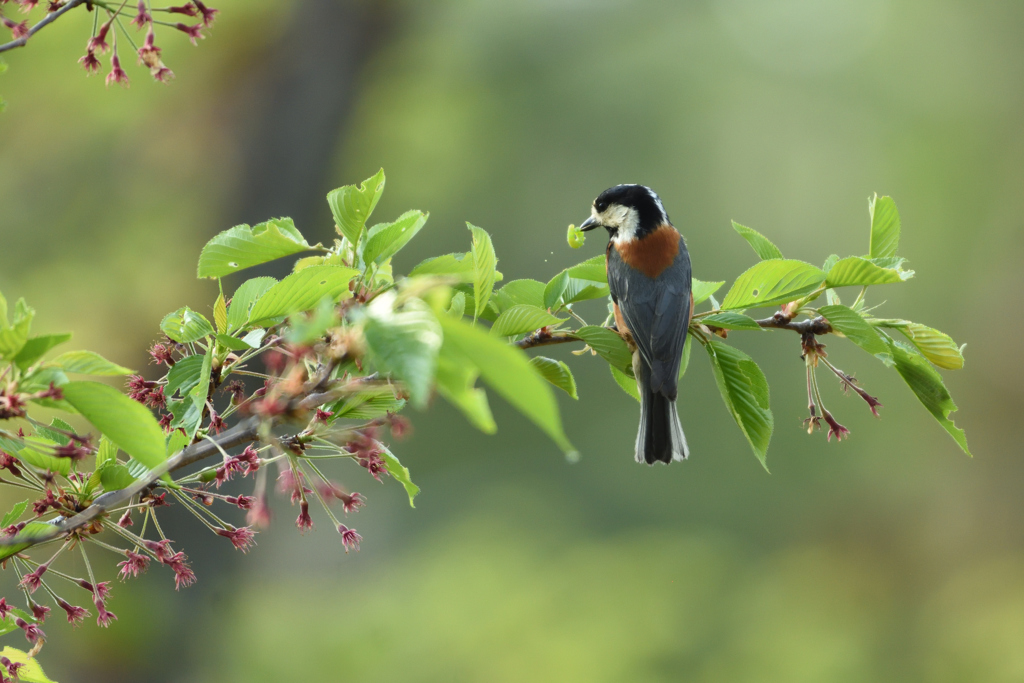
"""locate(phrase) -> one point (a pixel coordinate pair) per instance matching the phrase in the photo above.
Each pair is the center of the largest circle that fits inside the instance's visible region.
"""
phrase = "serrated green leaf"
(851, 325)
(201, 391)
(554, 289)
(302, 291)
(523, 318)
(243, 247)
(885, 227)
(582, 290)
(115, 476)
(186, 415)
(87, 363)
(773, 282)
(107, 452)
(938, 347)
(14, 514)
(127, 423)
(592, 269)
(220, 314)
(484, 264)
(31, 531)
(184, 376)
(384, 241)
(609, 346)
(731, 320)
(328, 260)
(855, 270)
(375, 402)
(703, 290)
(353, 205)
(507, 370)
(927, 385)
(529, 292)
(57, 431)
(626, 382)
(38, 451)
(745, 391)
(556, 372)
(455, 382)
(14, 336)
(457, 306)
(246, 296)
(684, 362)
(30, 671)
(404, 343)
(458, 265)
(36, 347)
(761, 245)
(400, 474)
(186, 326)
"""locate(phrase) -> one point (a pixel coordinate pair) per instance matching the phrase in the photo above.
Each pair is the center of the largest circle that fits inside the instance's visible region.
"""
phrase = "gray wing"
(657, 312)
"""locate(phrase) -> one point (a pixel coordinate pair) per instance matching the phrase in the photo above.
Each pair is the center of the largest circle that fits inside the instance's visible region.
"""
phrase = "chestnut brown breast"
(653, 253)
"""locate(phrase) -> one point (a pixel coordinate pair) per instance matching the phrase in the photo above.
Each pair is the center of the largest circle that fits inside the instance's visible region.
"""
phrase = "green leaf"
(302, 291)
(702, 290)
(38, 451)
(855, 270)
(609, 346)
(508, 371)
(625, 381)
(36, 347)
(30, 671)
(556, 372)
(830, 294)
(246, 296)
(220, 314)
(233, 343)
(850, 324)
(400, 473)
(184, 375)
(730, 320)
(404, 343)
(523, 318)
(56, 431)
(353, 205)
(87, 363)
(458, 265)
(186, 415)
(555, 288)
(484, 265)
(745, 391)
(127, 423)
(582, 290)
(592, 269)
(14, 336)
(529, 292)
(455, 381)
(938, 347)
(31, 531)
(773, 282)
(115, 476)
(14, 514)
(375, 401)
(761, 245)
(927, 385)
(384, 241)
(243, 247)
(457, 306)
(107, 452)
(186, 326)
(684, 362)
(176, 441)
(303, 329)
(201, 391)
(885, 226)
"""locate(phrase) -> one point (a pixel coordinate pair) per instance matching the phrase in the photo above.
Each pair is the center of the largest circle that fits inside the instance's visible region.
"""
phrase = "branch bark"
(43, 23)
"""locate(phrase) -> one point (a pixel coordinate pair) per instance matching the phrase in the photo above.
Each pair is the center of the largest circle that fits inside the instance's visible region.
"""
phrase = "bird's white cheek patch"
(624, 219)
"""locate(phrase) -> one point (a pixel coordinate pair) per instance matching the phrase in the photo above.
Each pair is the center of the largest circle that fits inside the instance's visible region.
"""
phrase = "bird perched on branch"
(649, 279)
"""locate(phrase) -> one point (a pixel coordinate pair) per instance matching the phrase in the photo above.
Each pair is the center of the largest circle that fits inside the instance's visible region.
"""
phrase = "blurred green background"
(888, 557)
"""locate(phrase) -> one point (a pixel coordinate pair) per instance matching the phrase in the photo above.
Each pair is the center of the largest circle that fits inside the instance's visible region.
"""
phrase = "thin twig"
(45, 21)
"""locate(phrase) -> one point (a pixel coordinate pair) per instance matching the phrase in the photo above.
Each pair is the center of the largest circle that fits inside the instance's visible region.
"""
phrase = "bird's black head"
(627, 212)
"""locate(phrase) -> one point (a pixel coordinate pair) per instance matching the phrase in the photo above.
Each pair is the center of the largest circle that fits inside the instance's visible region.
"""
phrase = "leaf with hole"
(773, 282)
(302, 291)
(243, 247)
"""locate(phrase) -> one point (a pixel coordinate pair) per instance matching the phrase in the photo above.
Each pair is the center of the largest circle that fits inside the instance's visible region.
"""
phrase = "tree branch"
(45, 21)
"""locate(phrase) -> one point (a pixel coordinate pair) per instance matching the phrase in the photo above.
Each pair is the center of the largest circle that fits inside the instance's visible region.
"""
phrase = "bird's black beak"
(590, 224)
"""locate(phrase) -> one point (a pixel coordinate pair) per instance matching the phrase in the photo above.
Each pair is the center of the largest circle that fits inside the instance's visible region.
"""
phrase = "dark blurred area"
(888, 557)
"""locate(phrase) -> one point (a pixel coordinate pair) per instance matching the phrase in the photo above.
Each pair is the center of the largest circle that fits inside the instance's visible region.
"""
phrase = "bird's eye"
(601, 206)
